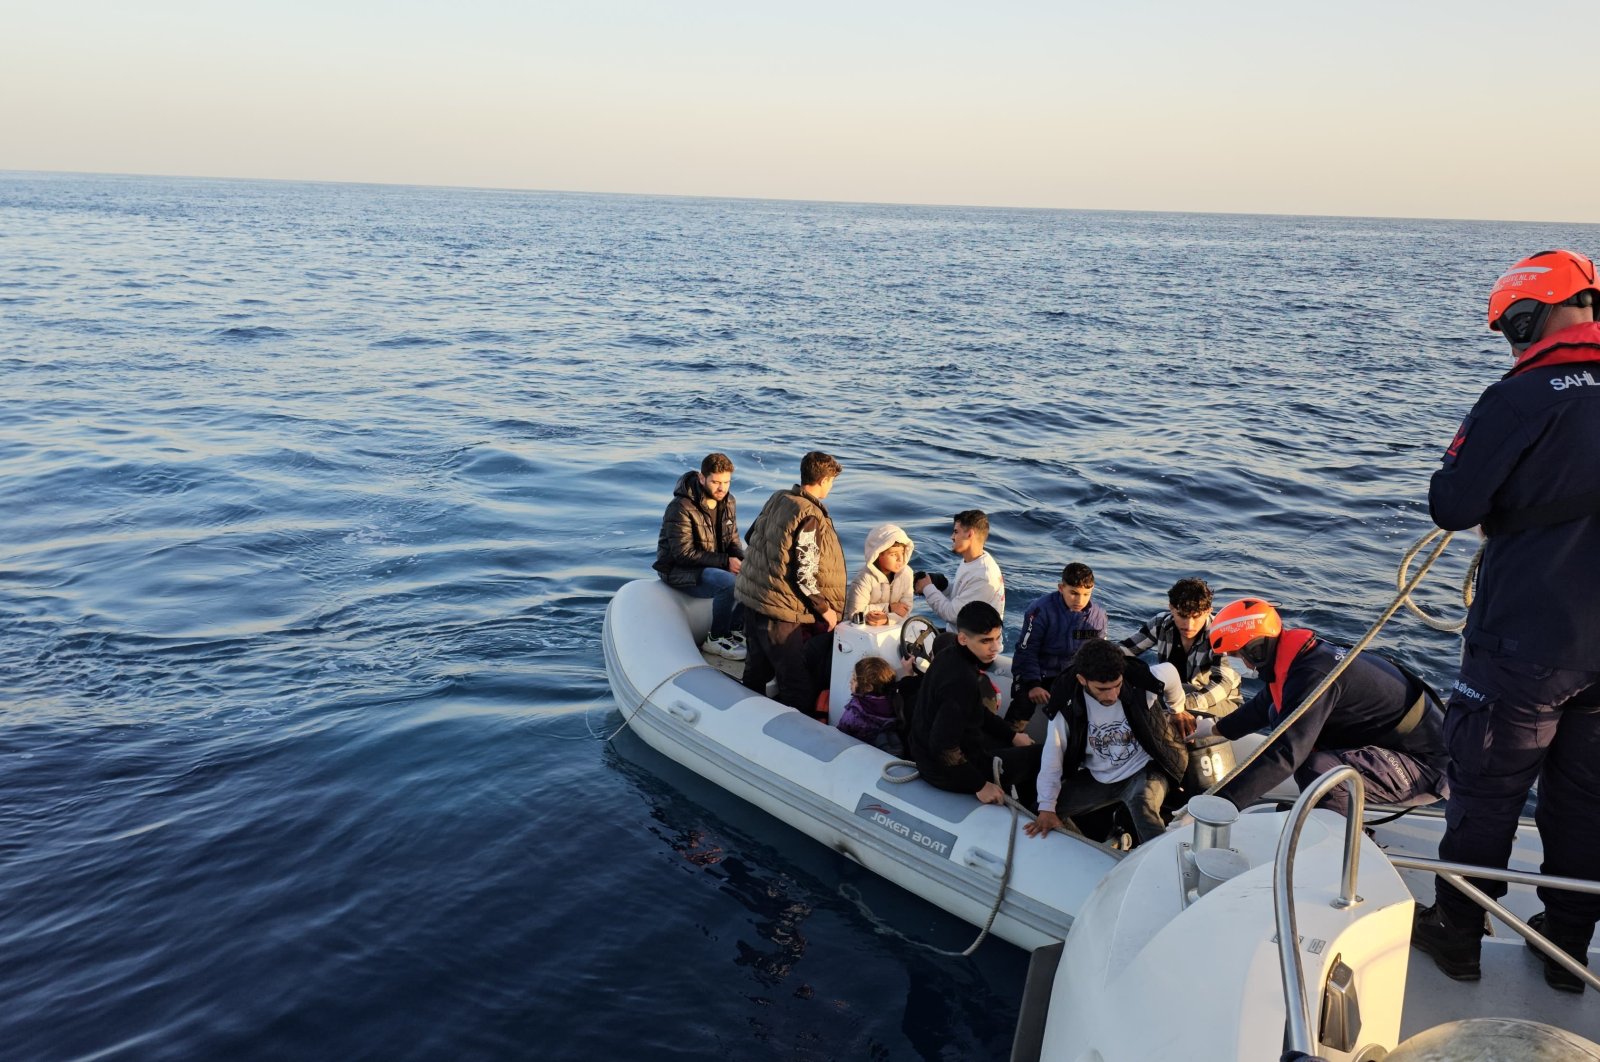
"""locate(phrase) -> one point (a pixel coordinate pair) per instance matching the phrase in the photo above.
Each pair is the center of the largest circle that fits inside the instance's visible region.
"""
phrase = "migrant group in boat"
(1525, 709)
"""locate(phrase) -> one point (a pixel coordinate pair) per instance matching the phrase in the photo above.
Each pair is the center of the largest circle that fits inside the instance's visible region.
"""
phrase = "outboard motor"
(1210, 760)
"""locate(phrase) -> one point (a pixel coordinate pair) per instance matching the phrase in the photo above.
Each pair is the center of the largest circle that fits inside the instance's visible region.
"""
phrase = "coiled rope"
(1404, 597)
(1466, 584)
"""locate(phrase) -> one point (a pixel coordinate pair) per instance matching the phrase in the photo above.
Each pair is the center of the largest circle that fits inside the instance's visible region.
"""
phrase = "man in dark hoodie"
(1525, 708)
(699, 551)
(955, 729)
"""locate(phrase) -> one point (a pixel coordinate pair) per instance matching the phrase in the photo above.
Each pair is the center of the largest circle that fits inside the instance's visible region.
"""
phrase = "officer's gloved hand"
(1203, 729)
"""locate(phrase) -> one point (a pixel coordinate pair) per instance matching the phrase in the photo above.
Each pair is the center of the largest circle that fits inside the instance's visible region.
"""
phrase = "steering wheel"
(916, 641)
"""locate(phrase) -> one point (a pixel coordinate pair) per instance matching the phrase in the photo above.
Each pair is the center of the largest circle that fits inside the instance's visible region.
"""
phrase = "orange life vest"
(1290, 645)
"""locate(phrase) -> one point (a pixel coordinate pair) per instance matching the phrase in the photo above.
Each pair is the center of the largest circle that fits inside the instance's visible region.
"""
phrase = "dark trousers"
(1390, 777)
(776, 649)
(1142, 794)
(1021, 708)
(1019, 768)
(1509, 725)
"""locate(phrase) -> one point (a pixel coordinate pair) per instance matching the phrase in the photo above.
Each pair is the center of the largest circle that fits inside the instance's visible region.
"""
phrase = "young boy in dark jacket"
(955, 729)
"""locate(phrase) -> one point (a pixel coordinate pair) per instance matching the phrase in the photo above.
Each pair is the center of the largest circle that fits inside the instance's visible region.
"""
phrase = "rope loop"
(1467, 585)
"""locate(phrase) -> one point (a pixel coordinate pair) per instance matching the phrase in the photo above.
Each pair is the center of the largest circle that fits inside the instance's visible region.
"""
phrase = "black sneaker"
(1453, 949)
(1573, 942)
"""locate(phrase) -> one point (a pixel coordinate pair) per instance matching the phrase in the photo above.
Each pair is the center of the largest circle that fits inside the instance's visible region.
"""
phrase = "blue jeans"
(717, 584)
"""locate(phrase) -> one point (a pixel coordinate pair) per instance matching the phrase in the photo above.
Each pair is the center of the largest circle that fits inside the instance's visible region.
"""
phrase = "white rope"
(646, 698)
(1467, 588)
(1017, 810)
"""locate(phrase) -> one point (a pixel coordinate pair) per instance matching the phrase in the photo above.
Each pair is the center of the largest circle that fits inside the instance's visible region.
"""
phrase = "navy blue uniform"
(1354, 722)
(1523, 706)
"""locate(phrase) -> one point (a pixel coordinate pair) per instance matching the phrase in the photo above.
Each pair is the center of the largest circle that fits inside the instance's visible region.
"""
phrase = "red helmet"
(1521, 300)
(1242, 622)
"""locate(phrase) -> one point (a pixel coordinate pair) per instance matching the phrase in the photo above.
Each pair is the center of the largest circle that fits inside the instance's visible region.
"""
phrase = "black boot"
(1571, 939)
(1454, 949)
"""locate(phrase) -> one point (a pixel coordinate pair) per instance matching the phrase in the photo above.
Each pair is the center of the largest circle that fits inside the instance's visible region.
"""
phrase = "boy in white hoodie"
(883, 586)
(977, 579)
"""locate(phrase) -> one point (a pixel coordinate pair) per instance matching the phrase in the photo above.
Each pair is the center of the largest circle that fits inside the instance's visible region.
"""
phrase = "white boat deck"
(1513, 977)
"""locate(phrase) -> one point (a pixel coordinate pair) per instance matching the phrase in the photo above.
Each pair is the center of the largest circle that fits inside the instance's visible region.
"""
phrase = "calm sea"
(312, 498)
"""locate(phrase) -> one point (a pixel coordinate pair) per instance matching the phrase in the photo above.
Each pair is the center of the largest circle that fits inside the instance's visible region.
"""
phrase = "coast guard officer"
(1526, 706)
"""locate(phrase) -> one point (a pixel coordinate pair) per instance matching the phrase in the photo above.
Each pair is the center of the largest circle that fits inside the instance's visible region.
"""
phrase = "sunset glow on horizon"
(1362, 108)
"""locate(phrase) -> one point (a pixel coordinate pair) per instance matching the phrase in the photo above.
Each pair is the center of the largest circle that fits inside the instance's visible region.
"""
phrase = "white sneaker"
(724, 647)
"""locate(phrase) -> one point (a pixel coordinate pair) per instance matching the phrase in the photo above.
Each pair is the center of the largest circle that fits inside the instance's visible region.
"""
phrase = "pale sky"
(1410, 109)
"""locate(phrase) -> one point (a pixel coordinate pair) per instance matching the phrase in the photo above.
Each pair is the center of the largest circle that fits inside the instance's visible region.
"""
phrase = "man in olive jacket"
(791, 583)
(699, 551)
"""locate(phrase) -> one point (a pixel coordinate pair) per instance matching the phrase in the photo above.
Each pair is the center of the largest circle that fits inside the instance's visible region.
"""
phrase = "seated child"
(872, 714)
(1181, 636)
(1053, 630)
(883, 586)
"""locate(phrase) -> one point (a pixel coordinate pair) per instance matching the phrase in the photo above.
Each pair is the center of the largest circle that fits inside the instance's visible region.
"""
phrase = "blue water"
(313, 497)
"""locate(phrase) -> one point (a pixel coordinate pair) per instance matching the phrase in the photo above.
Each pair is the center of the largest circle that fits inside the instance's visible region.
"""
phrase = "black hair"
(1078, 575)
(1098, 660)
(977, 617)
(1189, 595)
(974, 520)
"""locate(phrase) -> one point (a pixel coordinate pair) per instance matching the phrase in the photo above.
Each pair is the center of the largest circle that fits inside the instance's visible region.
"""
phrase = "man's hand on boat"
(830, 619)
(1185, 722)
(901, 609)
(992, 794)
(1047, 821)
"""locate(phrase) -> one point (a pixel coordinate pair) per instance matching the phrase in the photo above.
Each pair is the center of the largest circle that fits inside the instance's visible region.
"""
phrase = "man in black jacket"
(699, 551)
(1110, 742)
(1526, 705)
(956, 730)
(1376, 718)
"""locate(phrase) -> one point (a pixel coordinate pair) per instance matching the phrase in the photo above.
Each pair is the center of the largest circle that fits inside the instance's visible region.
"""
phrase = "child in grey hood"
(884, 584)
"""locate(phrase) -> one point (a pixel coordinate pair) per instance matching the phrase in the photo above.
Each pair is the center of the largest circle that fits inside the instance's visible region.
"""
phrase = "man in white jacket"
(977, 579)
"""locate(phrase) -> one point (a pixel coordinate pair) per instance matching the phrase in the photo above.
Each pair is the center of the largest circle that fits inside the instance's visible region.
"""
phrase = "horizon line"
(509, 189)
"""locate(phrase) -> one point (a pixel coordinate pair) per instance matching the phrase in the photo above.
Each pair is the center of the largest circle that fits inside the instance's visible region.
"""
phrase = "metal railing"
(1296, 1005)
(1457, 874)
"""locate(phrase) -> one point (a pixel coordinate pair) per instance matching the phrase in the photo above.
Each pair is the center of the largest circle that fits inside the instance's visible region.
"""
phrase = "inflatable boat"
(1179, 948)
(945, 847)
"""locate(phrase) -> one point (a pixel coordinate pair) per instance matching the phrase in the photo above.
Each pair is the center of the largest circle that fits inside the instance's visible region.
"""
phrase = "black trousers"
(1019, 768)
(1512, 724)
(777, 649)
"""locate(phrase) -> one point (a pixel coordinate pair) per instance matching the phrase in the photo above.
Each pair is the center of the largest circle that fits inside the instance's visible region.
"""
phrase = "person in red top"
(1526, 705)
